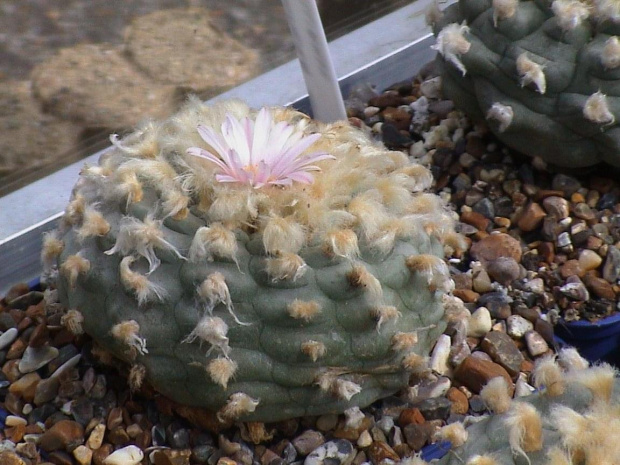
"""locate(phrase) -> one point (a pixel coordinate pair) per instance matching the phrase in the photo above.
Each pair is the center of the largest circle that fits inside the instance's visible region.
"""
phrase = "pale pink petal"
(213, 139)
(301, 176)
(262, 128)
(237, 139)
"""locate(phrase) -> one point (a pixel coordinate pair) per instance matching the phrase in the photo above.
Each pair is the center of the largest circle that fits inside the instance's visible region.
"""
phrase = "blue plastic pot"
(598, 341)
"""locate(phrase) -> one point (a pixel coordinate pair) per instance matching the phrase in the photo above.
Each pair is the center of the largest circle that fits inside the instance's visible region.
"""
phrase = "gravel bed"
(544, 251)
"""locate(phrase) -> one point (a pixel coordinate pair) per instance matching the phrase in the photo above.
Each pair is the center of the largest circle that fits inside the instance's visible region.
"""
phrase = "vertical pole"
(316, 65)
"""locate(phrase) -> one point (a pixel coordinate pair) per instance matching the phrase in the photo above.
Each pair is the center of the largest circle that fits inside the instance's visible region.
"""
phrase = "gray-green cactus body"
(575, 421)
(544, 75)
(284, 303)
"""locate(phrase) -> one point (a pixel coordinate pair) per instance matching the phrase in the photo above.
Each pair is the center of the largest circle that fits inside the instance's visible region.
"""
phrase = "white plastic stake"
(316, 65)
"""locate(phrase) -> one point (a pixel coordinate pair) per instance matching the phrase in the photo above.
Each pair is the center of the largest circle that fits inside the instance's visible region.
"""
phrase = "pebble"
(503, 350)
(64, 435)
(7, 337)
(611, 268)
(536, 345)
(517, 326)
(440, 355)
(130, 455)
(479, 323)
(496, 246)
(337, 452)
(308, 441)
(83, 455)
(37, 357)
(474, 373)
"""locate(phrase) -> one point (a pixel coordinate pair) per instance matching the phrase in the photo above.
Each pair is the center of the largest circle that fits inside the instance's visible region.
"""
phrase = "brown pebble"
(17, 349)
(60, 457)
(476, 220)
(600, 287)
(399, 118)
(504, 270)
(102, 453)
(460, 404)
(10, 458)
(39, 336)
(466, 295)
(65, 435)
(16, 433)
(531, 217)
(379, 451)
(26, 386)
(417, 436)
(547, 251)
(474, 373)
(118, 436)
(409, 416)
(387, 99)
(495, 246)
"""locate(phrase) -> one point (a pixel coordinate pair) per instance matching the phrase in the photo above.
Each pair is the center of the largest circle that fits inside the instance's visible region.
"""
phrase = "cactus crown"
(361, 194)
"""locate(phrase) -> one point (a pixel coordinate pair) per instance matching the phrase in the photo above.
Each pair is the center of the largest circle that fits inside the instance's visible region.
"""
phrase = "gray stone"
(7, 337)
(504, 351)
(536, 345)
(338, 452)
(517, 326)
(308, 441)
(611, 268)
(36, 357)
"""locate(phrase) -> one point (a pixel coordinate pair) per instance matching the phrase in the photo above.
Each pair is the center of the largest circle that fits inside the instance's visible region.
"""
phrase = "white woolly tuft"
(451, 44)
(454, 432)
(501, 113)
(93, 224)
(211, 329)
(175, 203)
(304, 310)
(73, 320)
(342, 243)
(531, 72)
(313, 349)
(137, 373)
(610, 57)
(606, 10)
(433, 270)
(238, 404)
(215, 241)
(221, 370)
(346, 389)
(370, 215)
(572, 426)
(127, 333)
(599, 379)
(74, 213)
(359, 277)
(524, 428)
(73, 266)
(433, 14)
(144, 289)
(482, 460)
(51, 249)
(404, 341)
(283, 235)
(415, 459)
(384, 313)
(569, 359)
(504, 9)
(570, 13)
(597, 110)
(285, 267)
(548, 373)
(496, 395)
(142, 238)
(416, 364)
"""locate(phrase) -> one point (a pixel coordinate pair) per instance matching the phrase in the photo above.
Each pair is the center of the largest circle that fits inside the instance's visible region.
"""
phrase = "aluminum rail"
(388, 50)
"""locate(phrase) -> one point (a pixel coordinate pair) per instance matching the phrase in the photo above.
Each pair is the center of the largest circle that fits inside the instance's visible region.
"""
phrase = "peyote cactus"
(573, 419)
(236, 271)
(545, 75)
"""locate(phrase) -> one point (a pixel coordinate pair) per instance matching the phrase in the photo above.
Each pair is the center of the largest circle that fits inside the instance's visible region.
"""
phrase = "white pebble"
(130, 455)
(14, 420)
(479, 323)
(440, 355)
(517, 326)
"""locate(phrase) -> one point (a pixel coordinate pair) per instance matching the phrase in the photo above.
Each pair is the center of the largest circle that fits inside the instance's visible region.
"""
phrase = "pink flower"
(260, 152)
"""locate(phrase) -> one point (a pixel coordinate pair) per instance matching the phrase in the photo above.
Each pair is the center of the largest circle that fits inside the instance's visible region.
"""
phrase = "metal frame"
(386, 51)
